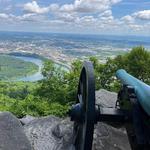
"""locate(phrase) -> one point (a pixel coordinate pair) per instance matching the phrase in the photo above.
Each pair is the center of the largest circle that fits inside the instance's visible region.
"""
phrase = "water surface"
(36, 76)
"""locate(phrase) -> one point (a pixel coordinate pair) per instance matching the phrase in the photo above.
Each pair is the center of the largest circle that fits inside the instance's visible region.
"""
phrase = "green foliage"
(72, 80)
(57, 91)
(53, 86)
(31, 104)
(136, 62)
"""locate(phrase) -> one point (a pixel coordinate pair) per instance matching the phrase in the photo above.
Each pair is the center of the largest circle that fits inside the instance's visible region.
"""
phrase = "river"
(36, 76)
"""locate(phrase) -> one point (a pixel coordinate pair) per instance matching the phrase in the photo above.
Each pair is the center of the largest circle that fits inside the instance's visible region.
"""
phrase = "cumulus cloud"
(33, 7)
(80, 15)
(77, 15)
(14, 19)
(66, 17)
(30, 17)
(87, 21)
(3, 16)
(106, 16)
(136, 27)
(79, 6)
(128, 19)
(53, 7)
(144, 15)
(89, 6)
(134, 21)
(106, 13)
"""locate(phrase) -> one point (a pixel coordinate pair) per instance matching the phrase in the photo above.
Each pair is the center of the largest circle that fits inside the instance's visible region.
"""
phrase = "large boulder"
(12, 136)
(107, 137)
(52, 133)
(49, 133)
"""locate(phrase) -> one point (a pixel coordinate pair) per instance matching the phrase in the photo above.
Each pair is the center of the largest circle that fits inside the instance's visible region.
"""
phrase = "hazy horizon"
(73, 33)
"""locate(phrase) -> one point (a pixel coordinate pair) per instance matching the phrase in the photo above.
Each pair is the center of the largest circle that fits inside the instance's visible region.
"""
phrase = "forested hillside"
(57, 91)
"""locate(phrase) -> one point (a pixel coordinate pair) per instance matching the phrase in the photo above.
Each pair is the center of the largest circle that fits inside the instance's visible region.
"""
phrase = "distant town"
(64, 48)
(29, 47)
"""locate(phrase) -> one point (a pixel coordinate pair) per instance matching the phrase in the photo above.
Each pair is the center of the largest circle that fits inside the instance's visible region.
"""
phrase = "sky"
(117, 17)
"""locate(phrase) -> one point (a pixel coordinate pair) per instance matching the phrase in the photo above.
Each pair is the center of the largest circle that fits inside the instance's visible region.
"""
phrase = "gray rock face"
(12, 136)
(27, 119)
(49, 133)
(106, 98)
(107, 137)
(52, 133)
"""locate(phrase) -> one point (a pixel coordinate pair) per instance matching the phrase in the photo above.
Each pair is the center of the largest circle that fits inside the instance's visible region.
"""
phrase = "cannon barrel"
(142, 90)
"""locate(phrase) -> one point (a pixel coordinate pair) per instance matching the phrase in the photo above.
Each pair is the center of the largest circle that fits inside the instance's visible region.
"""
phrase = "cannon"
(132, 110)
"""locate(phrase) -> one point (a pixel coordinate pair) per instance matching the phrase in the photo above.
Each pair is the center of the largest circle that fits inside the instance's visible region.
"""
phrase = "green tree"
(136, 62)
(53, 85)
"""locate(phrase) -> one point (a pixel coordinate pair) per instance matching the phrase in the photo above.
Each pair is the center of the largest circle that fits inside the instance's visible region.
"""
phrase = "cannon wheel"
(83, 130)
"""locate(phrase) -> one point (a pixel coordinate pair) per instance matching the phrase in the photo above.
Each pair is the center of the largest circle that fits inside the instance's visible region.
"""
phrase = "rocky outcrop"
(106, 98)
(53, 133)
(50, 133)
(12, 136)
(56, 134)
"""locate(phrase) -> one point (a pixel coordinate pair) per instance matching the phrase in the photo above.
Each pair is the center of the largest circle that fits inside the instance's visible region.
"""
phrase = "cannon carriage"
(134, 114)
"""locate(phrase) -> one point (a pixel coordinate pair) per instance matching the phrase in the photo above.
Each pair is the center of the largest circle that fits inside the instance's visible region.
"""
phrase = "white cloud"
(54, 7)
(67, 8)
(33, 7)
(88, 20)
(78, 14)
(128, 19)
(4, 16)
(136, 27)
(133, 22)
(106, 13)
(13, 19)
(145, 14)
(66, 17)
(93, 16)
(89, 6)
(28, 17)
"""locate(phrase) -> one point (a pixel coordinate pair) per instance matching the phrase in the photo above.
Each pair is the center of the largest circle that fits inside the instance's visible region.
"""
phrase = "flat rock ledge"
(53, 133)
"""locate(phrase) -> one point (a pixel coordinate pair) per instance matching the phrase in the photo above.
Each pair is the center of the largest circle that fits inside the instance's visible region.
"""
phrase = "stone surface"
(12, 136)
(51, 133)
(27, 119)
(106, 98)
(107, 137)
(56, 134)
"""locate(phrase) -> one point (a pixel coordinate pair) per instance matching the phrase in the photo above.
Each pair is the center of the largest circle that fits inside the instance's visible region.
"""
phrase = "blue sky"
(76, 16)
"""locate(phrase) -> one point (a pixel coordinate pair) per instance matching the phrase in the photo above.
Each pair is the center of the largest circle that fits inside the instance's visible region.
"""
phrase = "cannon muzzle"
(142, 90)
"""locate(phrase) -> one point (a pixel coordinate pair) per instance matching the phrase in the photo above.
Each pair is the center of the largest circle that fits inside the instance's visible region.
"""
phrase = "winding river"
(36, 76)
